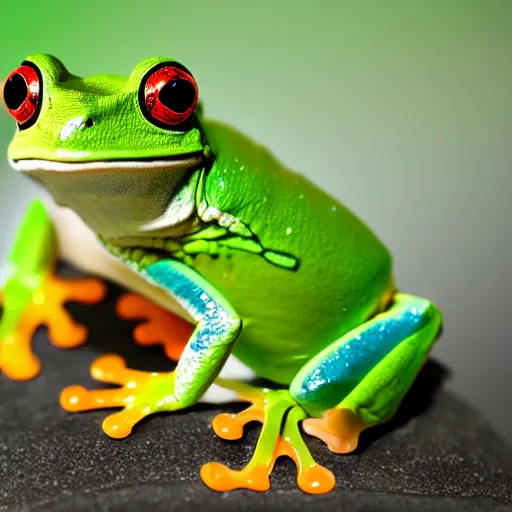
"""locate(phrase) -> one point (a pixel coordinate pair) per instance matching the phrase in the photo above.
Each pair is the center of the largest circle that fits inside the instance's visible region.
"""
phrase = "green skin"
(294, 276)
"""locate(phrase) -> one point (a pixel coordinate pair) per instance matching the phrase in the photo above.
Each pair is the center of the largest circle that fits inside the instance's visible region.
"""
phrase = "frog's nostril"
(89, 122)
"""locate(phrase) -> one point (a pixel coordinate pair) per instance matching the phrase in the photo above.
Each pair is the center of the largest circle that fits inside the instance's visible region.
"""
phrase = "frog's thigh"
(360, 379)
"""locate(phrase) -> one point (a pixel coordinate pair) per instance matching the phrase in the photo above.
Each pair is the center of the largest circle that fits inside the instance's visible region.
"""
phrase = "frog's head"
(120, 151)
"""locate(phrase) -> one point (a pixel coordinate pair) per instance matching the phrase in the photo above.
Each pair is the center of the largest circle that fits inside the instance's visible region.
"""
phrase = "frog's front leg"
(144, 393)
(360, 379)
(32, 296)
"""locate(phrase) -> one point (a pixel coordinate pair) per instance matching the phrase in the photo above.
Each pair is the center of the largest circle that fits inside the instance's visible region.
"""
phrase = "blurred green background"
(402, 109)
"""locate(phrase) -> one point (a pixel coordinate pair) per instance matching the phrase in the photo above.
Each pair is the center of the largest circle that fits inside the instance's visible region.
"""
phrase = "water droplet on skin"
(242, 168)
(301, 196)
(334, 208)
(288, 231)
(221, 183)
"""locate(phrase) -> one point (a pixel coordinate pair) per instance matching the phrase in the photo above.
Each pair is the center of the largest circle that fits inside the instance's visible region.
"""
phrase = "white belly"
(78, 245)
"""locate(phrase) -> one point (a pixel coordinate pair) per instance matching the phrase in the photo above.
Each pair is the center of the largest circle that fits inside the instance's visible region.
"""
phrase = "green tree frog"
(279, 279)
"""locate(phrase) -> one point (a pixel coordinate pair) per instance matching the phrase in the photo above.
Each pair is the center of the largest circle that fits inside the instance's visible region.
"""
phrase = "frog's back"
(343, 270)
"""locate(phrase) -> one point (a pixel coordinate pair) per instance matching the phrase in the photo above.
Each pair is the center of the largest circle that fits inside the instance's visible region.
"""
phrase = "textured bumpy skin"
(343, 269)
(109, 101)
(268, 266)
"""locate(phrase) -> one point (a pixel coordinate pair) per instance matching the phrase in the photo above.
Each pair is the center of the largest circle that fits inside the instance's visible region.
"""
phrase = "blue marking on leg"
(218, 327)
(339, 369)
(196, 301)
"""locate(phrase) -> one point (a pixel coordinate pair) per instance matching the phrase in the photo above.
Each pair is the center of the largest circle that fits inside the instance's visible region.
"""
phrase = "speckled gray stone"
(436, 455)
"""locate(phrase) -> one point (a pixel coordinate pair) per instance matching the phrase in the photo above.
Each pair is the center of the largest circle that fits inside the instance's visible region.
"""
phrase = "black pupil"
(177, 95)
(15, 92)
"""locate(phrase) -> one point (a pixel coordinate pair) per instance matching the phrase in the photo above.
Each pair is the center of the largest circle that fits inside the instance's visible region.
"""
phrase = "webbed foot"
(141, 394)
(159, 327)
(280, 436)
(44, 307)
(33, 296)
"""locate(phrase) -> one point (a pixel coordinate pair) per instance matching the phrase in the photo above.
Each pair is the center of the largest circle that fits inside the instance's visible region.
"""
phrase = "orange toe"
(109, 368)
(339, 429)
(48, 308)
(316, 480)
(120, 425)
(17, 361)
(72, 398)
(311, 477)
(231, 426)
(221, 478)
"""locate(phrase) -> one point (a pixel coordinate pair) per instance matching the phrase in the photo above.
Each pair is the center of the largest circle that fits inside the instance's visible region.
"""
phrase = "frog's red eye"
(168, 95)
(22, 94)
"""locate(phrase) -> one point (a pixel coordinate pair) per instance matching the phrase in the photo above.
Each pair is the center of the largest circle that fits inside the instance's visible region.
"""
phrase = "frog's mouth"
(33, 165)
(122, 197)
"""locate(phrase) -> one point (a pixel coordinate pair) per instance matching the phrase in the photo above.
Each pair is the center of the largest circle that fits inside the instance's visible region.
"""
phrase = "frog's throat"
(123, 198)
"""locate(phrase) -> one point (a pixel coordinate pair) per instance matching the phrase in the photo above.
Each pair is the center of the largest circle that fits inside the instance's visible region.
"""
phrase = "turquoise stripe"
(342, 367)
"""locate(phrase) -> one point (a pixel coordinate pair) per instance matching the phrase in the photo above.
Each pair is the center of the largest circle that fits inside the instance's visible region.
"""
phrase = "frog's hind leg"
(359, 380)
(32, 296)
(158, 327)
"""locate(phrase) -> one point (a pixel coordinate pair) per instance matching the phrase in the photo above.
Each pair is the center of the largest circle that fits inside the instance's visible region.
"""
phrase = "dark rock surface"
(436, 455)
